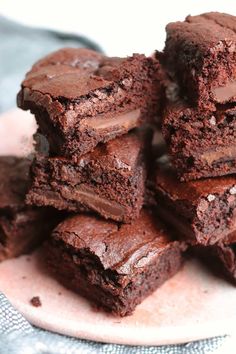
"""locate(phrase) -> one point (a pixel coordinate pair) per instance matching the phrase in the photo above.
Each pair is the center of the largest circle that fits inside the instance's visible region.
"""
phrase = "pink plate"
(192, 305)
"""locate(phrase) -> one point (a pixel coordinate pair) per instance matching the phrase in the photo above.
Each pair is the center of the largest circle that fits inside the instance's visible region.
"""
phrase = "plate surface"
(193, 305)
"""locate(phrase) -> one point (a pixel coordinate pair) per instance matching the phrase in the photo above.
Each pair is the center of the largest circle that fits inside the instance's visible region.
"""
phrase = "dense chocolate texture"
(110, 180)
(115, 267)
(201, 143)
(221, 257)
(200, 54)
(202, 211)
(81, 98)
(21, 228)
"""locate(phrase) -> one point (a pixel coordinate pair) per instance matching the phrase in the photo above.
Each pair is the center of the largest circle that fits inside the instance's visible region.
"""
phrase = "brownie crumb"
(35, 301)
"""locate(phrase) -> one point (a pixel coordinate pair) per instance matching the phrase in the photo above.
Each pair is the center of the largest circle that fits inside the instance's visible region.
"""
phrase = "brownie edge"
(115, 267)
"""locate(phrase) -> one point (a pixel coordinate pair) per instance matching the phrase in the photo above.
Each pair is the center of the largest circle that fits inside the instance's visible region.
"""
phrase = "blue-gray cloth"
(20, 47)
(17, 336)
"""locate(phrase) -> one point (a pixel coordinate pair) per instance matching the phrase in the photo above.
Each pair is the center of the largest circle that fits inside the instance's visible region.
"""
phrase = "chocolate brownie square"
(200, 54)
(221, 257)
(202, 211)
(113, 266)
(22, 228)
(81, 98)
(109, 180)
(201, 143)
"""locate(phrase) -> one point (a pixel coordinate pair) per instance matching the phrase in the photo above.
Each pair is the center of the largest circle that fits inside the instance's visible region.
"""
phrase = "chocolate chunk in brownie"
(202, 211)
(109, 180)
(200, 54)
(81, 98)
(22, 228)
(201, 143)
(113, 266)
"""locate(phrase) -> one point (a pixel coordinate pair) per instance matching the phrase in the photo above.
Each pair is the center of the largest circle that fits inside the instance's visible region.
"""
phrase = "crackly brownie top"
(13, 182)
(193, 191)
(71, 72)
(123, 248)
(205, 31)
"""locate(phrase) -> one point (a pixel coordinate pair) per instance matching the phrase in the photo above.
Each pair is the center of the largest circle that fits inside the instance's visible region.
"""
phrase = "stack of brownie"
(197, 193)
(93, 114)
(87, 106)
(199, 127)
(94, 155)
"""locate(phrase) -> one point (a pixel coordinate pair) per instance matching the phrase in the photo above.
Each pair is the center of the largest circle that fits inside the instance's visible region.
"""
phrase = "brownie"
(81, 98)
(109, 180)
(221, 257)
(22, 228)
(201, 143)
(113, 266)
(200, 54)
(202, 211)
